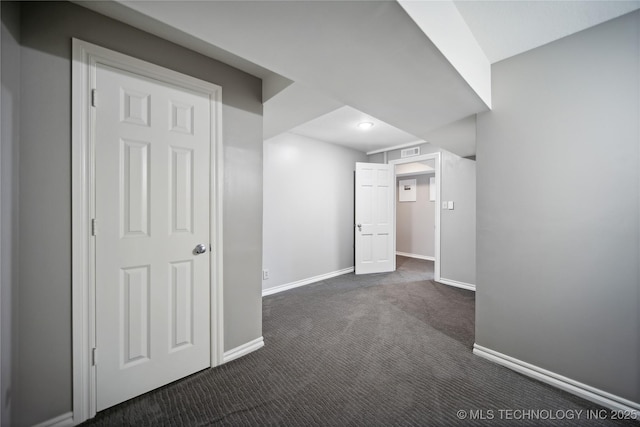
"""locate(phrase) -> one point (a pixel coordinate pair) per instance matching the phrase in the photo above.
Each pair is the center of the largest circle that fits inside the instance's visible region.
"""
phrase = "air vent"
(409, 152)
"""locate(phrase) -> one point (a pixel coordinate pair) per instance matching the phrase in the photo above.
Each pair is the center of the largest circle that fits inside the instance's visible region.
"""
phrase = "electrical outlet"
(265, 274)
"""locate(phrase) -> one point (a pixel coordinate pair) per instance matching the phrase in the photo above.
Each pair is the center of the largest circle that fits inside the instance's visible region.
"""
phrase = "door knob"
(200, 249)
(359, 227)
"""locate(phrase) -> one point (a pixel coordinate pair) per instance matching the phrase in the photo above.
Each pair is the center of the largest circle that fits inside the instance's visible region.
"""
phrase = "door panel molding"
(86, 57)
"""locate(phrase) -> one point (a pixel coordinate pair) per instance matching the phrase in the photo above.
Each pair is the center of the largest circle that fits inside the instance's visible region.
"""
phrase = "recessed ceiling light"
(365, 125)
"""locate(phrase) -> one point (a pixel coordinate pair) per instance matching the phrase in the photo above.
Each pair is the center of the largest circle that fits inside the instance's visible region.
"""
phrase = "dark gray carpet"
(389, 349)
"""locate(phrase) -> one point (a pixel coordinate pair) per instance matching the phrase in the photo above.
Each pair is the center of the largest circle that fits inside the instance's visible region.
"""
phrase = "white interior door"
(375, 229)
(152, 175)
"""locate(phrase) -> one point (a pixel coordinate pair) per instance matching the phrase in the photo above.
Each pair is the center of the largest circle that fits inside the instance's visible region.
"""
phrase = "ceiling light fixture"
(365, 125)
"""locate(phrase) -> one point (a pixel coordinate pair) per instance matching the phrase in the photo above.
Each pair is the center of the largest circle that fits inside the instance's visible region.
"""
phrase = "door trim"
(86, 56)
(438, 169)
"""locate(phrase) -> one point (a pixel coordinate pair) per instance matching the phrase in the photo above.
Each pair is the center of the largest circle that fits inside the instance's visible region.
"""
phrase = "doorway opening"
(416, 214)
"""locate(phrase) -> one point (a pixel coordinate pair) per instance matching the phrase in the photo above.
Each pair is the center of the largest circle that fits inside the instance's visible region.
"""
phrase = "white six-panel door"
(152, 174)
(374, 231)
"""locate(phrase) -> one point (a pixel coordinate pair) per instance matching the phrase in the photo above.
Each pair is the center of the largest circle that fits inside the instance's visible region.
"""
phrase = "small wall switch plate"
(450, 206)
(444, 205)
(265, 274)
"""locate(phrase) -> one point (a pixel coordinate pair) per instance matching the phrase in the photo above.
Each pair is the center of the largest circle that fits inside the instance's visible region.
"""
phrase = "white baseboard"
(63, 420)
(467, 286)
(243, 350)
(585, 391)
(427, 257)
(298, 283)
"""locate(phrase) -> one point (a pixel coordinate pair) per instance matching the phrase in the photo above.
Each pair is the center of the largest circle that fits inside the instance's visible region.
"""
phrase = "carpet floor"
(389, 349)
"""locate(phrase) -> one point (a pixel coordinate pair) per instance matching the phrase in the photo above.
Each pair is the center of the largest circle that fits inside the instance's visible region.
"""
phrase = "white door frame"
(86, 57)
(438, 167)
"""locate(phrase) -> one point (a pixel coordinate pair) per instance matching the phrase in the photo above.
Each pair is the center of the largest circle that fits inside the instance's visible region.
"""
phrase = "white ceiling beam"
(444, 25)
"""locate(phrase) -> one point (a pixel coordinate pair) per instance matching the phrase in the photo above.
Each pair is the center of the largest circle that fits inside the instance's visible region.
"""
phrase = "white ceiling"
(528, 24)
(294, 105)
(368, 55)
(506, 28)
(416, 168)
(341, 127)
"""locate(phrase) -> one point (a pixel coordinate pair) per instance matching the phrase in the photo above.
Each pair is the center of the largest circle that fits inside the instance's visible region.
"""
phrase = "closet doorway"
(416, 213)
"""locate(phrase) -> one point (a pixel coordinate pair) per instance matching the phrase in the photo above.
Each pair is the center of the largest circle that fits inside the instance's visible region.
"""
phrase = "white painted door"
(375, 231)
(152, 155)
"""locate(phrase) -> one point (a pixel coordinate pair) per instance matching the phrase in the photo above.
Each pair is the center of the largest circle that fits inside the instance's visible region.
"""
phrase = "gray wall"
(42, 332)
(558, 208)
(415, 221)
(376, 158)
(457, 227)
(458, 137)
(10, 125)
(308, 208)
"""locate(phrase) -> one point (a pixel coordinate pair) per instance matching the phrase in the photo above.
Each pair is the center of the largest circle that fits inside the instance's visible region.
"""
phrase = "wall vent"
(409, 152)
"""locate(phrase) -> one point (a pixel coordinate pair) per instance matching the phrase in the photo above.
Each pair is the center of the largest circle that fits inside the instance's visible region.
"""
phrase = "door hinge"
(94, 227)
(94, 97)
(94, 356)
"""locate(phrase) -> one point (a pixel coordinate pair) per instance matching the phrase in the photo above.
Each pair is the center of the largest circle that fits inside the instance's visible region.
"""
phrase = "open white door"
(375, 230)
